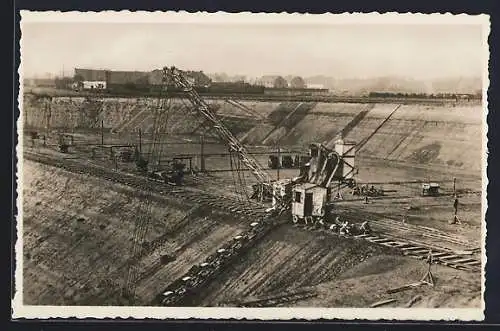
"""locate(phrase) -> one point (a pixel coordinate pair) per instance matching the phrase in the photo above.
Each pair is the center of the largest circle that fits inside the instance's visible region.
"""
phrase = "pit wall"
(442, 135)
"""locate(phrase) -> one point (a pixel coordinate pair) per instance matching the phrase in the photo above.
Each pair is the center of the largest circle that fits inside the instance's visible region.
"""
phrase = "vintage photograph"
(176, 165)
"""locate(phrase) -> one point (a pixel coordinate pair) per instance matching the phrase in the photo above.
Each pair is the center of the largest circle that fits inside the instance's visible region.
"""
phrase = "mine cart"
(430, 189)
(126, 155)
(273, 162)
(287, 162)
(65, 141)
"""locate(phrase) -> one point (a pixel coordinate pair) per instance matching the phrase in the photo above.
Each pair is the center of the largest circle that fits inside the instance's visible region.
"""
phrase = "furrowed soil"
(341, 272)
(78, 230)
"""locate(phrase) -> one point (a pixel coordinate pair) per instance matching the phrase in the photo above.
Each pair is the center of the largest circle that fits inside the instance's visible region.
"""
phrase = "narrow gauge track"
(232, 205)
(279, 300)
(385, 223)
(183, 290)
(417, 250)
(199, 197)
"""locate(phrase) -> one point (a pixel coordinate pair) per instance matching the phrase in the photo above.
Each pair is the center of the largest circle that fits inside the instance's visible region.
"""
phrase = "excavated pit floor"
(76, 247)
(78, 230)
(78, 233)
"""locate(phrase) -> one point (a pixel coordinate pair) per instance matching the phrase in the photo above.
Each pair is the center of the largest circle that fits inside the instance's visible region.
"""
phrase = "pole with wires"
(279, 164)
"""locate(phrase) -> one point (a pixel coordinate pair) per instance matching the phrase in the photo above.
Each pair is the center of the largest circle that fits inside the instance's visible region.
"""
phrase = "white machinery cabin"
(311, 195)
(309, 202)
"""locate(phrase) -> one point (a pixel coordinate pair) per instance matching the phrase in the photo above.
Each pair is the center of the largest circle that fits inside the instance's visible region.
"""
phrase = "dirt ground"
(341, 272)
(77, 247)
(78, 231)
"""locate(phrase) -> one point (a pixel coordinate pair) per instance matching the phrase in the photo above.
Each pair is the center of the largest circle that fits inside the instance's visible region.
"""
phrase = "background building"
(297, 82)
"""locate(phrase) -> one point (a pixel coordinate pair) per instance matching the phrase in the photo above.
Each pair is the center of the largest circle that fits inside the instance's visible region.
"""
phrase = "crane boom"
(176, 77)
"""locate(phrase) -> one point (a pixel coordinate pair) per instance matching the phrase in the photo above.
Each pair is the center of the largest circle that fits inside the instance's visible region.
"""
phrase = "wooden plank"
(371, 238)
(382, 240)
(383, 302)
(413, 301)
(414, 248)
(466, 260)
(404, 287)
(361, 236)
(440, 254)
(398, 245)
(450, 257)
(474, 263)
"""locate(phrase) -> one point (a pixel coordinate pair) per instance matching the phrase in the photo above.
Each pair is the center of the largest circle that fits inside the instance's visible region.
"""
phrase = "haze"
(340, 51)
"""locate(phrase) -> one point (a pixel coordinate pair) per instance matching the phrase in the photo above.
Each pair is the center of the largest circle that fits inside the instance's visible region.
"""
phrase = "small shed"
(430, 189)
(309, 200)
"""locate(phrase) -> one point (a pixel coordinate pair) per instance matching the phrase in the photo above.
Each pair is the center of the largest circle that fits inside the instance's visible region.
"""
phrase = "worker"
(344, 229)
(34, 135)
(334, 227)
(455, 215)
(366, 199)
(355, 190)
(365, 227)
(429, 259)
(428, 278)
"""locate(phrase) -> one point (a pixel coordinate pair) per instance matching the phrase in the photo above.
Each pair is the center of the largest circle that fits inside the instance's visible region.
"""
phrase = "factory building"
(107, 78)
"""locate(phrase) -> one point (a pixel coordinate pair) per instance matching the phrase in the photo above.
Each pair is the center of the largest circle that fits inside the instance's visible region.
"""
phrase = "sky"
(340, 51)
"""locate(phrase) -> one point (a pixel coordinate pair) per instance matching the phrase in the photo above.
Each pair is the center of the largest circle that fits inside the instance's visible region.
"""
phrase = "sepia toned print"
(264, 166)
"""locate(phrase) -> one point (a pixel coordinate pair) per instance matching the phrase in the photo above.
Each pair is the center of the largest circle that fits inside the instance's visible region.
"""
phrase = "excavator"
(325, 165)
(305, 196)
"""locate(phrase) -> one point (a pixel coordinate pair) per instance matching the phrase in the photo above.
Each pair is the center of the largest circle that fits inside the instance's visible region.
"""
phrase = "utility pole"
(140, 140)
(279, 164)
(454, 186)
(202, 153)
(47, 115)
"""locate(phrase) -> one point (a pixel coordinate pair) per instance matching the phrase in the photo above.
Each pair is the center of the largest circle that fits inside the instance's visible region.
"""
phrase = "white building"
(316, 86)
(89, 85)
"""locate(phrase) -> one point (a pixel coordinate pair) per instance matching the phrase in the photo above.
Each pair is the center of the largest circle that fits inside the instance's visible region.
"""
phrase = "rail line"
(385, 223)
(417, 250)
(146, 184)
(278, 300)
(184, 289)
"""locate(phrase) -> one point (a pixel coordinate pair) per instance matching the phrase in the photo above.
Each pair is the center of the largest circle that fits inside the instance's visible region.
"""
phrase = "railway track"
(251, 210)
(387, 224)
(233, 205)
(442, 256)
(185, 287)
(279, 300)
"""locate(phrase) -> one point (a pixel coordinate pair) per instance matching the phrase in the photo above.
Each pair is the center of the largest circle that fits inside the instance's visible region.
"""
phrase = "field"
(78, 229)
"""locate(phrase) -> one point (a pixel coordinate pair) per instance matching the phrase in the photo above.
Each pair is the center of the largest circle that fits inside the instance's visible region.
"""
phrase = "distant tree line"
(461, 96)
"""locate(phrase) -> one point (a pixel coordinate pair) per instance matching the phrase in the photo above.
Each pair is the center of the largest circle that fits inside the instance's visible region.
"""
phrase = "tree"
(78, 78)
(280, 82)
(297, 82)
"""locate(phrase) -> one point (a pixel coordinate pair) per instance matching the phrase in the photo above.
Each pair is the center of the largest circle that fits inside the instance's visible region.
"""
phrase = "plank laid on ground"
(466, 260)
(404, 287)
(413, 301)
(383, 302)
